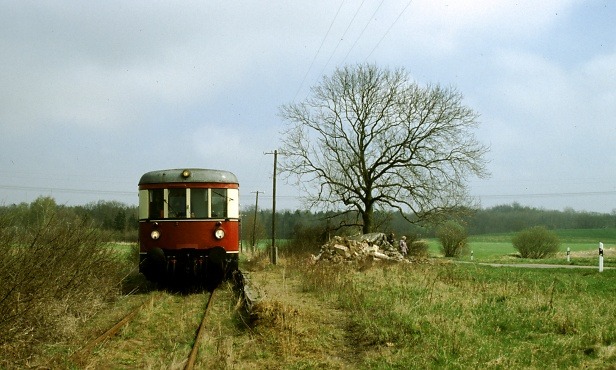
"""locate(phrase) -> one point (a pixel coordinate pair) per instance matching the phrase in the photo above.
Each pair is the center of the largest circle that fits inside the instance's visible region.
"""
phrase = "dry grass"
(54, 276)
(463, 316)
(379, 315)
(293, 329)
(593, 253)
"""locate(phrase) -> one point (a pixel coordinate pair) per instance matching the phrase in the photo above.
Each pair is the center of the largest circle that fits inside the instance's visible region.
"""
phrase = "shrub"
(536, 242)
(418, 248)
(307, 239)
(453, 238)
(54, 274)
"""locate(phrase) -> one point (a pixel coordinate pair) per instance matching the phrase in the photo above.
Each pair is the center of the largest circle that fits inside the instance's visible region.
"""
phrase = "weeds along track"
(167, 330)
(111, 332)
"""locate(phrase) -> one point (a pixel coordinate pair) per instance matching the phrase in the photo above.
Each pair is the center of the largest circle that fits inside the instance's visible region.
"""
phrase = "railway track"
(85, 355)
(80, 355)
(195, 348)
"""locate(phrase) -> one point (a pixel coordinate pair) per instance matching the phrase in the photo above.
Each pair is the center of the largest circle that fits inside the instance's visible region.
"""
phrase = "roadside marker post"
(472, 257)
(568, 254)
(600, 257)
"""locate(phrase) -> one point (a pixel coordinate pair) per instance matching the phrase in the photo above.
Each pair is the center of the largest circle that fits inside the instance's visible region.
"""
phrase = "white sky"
(94, 94)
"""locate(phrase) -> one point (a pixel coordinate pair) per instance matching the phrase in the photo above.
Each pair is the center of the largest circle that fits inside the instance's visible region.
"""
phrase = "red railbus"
(189, 225)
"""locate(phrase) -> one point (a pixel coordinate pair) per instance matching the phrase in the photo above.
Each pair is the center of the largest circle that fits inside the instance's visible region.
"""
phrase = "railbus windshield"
(188, 203)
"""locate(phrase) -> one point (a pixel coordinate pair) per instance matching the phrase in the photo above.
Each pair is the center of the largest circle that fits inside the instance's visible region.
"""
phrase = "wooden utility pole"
(274, 251)
(254, 221)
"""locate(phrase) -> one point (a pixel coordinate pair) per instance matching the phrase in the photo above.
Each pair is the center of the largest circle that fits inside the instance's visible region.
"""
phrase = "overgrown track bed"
(173, 330)
(87, 349)
(190, 364)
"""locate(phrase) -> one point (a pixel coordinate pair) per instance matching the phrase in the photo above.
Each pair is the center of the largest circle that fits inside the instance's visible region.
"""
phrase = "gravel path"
(534, 265)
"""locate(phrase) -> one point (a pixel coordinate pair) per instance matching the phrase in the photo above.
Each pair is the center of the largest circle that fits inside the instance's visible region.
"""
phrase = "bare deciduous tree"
(370, 138)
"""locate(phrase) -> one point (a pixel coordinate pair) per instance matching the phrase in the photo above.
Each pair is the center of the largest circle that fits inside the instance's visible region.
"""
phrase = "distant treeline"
(514, 217)
(120, 220)
(498, 219)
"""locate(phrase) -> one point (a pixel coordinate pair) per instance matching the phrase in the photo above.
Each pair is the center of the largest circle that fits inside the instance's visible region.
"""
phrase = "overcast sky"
(94, 94)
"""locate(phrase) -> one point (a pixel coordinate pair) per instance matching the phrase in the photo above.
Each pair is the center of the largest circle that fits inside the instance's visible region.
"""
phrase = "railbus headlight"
(219, 234)
(155, 234)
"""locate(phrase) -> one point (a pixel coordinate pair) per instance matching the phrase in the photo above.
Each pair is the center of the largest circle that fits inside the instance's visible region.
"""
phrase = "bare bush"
(536, 242)
(54, 274)
(453, 238)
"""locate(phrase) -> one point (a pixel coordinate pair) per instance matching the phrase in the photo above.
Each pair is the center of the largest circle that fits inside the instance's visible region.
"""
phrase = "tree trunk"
(367, 219)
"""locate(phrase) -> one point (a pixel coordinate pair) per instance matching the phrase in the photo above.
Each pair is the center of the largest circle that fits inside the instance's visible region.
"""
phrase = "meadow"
(433, 313)
(439, 314)
(446, 315)
(582, 243)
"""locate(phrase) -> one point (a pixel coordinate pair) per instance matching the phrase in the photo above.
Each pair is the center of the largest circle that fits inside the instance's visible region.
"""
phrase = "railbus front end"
(189, 225)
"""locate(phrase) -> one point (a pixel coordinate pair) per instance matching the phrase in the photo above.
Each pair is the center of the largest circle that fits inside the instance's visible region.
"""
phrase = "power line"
(266, 196)
(389, 29)
(363, 30)
(116, 192)
(318, 51)
(65, 190)
(342, 37)
(344, 34)
(550, 195)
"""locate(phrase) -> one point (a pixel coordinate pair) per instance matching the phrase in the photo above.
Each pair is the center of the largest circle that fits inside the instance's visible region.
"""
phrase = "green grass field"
(583, 245)
(497, 248)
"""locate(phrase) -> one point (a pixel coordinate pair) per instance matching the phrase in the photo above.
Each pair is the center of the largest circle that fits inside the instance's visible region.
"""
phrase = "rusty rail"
(193, 353)
(77, 356)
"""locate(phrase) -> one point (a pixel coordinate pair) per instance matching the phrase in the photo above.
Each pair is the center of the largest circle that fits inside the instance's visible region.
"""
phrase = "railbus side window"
(198, 203)
(156, 204)
(177, 203)
(219, 203)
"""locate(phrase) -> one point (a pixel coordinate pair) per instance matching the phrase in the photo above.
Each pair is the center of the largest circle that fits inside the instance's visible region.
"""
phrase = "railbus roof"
(188, 175)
